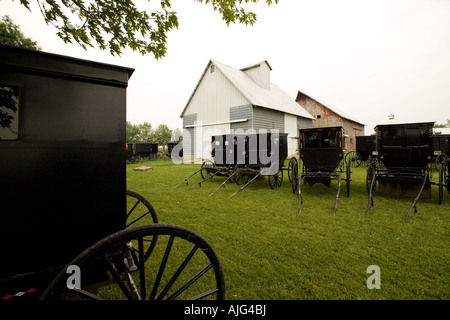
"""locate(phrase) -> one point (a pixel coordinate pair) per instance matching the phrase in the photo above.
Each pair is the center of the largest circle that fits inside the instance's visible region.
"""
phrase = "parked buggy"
(70, 229)
(401, 162)
(224, 152)
(321, 154)
(243, 158)
(171, 146)
(365, 145)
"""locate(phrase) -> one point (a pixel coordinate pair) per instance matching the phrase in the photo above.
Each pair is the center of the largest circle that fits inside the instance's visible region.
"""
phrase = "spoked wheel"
(230, 172)
(291, 165)
(240, 177)
(276, 180)
(137, 208)
(124, 265)
(353, 158)
(206, 171)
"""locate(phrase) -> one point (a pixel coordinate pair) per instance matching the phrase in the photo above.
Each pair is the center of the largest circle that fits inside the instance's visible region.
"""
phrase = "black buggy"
(321, 151)
(401, 162)
(243, 158)
(144, 150)
(365, 145)
(70, 229)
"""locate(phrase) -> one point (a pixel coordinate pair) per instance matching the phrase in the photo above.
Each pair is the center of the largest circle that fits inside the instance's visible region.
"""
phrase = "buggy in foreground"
(65, 209)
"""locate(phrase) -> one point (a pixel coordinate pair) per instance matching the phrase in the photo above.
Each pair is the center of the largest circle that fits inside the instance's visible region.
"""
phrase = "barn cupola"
(260, 73)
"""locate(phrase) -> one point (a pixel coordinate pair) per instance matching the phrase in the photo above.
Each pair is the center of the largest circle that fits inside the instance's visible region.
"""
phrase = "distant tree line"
(446, 125)
(144, 133)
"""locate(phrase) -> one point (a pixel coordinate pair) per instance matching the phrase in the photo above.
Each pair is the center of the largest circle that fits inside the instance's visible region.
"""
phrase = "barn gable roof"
(275, 98)
(333, 108)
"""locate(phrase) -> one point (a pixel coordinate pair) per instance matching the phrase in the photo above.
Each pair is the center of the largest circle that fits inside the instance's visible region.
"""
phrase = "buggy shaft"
(222, 184)
(242, 188)
(187, 178)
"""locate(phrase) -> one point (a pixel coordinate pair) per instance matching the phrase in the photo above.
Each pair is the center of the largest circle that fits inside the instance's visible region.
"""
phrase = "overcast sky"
(369, 58)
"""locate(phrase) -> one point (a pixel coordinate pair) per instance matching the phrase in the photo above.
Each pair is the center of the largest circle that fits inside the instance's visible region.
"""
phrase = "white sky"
(368, 58)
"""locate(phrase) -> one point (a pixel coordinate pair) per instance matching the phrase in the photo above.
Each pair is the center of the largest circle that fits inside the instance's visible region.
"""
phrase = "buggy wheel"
(206, 169)
(295, 180)
(353, 158)
(240, 177)
(230, 172)
(121, 266)
(137, 208)
(276, 180)
(290, 169)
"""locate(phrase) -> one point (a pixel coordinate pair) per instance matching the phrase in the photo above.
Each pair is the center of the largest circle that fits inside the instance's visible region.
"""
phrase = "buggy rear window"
(321, 139)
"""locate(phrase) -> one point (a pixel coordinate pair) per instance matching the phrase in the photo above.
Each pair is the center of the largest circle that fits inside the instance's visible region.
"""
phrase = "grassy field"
(269, 251)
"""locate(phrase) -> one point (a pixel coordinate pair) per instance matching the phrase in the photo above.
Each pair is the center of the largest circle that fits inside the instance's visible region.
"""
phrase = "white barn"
(227, 99)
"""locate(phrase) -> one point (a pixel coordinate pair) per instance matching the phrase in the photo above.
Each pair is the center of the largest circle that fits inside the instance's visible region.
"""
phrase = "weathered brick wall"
(325, 117)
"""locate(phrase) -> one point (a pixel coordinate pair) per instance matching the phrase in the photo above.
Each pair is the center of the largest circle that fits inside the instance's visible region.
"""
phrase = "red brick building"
(327, 116)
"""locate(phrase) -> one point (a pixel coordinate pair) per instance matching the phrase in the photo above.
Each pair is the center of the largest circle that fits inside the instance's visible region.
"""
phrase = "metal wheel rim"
(205, 166)
(106, 250)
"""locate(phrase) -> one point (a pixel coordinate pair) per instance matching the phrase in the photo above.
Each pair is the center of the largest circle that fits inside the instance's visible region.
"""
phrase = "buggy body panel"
(249, 149)
(441, 144)
(63, 181)
(321, 149)
(365, 145)
(405, 147)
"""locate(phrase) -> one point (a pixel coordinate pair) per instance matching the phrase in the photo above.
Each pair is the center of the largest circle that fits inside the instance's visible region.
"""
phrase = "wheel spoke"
(161, 268)
(190, 282)
(134, 207)
(112, 270)
(140, 209)
(137, 219)
(110, 267)
(177, 273)
(86, 294)
(142, 267)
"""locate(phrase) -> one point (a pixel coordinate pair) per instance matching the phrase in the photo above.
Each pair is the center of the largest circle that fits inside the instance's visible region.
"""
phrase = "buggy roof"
(322, 129)
(431, 124)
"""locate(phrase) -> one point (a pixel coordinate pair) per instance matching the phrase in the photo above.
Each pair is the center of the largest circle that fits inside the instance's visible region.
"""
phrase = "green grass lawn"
(269, 251)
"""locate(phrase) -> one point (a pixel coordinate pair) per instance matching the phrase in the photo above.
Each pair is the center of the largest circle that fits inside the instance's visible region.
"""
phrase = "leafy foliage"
(11, 35)
(162, 135)
(177, 135)
(144, 133)
(7, 102)
(232, 10)
(118, 24)
(445, 125)
(139, 132)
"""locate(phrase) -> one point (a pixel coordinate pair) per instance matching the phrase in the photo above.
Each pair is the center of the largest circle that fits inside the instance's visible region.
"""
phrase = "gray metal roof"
(275, 98)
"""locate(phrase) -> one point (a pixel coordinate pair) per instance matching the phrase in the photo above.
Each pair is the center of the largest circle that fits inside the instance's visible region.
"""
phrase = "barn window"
(212, 68)
(319, 116)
